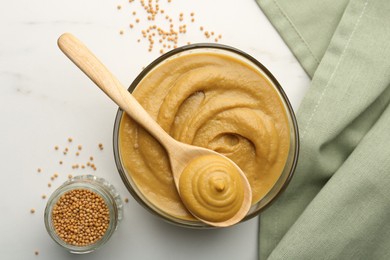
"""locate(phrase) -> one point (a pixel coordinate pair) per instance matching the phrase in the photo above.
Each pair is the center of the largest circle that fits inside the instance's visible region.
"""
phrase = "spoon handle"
(87, 62)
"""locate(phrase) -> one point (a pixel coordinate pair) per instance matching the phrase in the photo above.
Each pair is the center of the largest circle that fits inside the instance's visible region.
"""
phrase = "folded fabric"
(337, 205)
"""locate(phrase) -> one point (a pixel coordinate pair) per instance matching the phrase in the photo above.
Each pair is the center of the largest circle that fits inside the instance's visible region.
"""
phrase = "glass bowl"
(293, 152)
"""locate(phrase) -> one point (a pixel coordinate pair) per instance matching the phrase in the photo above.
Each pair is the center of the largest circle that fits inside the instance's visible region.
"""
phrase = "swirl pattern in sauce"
(212, 188)
(213, 101)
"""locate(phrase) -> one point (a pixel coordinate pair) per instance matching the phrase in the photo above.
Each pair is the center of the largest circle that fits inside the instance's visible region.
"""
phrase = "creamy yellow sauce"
(213, 101)
(211, 188)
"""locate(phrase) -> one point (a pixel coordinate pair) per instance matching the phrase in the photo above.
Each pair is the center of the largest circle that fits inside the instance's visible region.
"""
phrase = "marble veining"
(44, 99)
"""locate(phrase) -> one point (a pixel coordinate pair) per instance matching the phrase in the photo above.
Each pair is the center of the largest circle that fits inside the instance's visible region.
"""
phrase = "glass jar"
(98, 186)
(293, 152)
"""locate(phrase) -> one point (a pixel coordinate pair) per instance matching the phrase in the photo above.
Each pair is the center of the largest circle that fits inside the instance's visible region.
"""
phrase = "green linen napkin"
(337, 205)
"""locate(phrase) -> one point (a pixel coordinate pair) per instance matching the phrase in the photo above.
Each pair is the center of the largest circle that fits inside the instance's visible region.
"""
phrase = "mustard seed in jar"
(83, 213)
(80, 217)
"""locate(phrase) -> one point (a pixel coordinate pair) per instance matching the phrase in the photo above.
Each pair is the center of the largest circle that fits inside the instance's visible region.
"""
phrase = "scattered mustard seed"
(36, 252)
(43, 196)
(126, 200)
(56, 147)
(159, 34)
(70, 139)
(32, 211)
(92, 166)
(39, 170)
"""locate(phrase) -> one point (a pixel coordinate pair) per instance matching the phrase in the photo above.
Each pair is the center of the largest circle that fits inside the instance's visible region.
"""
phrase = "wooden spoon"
(180, 154)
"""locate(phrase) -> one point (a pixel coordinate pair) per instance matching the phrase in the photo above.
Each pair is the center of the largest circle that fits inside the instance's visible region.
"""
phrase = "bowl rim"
(195, 46)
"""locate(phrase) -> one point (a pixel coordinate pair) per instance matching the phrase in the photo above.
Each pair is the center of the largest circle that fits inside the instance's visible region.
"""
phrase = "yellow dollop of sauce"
(212, 188)
(214, 101)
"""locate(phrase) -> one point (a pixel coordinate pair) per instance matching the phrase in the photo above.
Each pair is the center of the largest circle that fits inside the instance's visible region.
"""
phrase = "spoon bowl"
(180, 155)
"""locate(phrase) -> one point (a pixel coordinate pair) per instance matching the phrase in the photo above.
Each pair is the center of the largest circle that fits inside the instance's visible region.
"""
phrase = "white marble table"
(44, 99)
